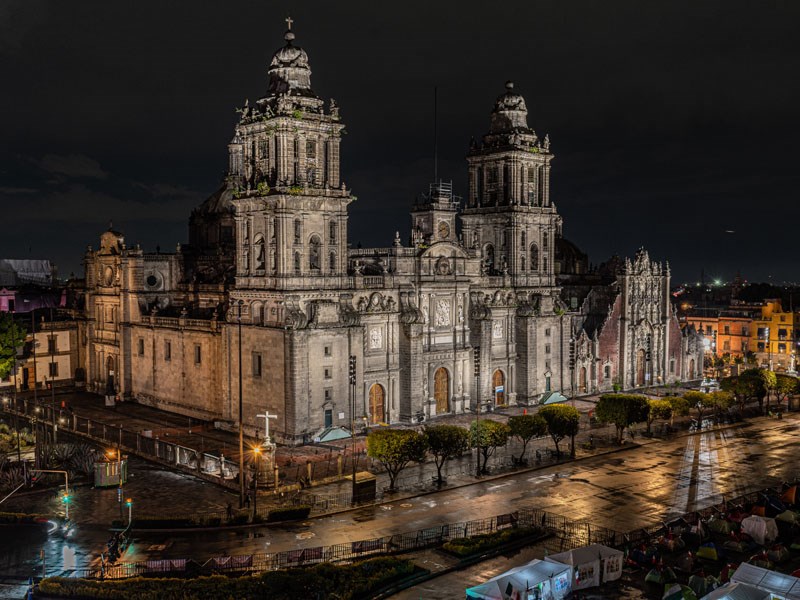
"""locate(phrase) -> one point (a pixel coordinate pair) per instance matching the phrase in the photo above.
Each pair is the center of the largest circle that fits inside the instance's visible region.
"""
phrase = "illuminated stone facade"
(269, 276)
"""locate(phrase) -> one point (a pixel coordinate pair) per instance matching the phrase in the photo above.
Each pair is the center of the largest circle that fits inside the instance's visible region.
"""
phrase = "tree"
(785, 387)
(680, 406)
(12, 336)
(770, 382)
(721, 401)
(700, 401)
(487, 435)
(445, 442)
(622, 410)
(659, 409)
(395, 448)
(749, 385)
(525, 428)
(562, 421)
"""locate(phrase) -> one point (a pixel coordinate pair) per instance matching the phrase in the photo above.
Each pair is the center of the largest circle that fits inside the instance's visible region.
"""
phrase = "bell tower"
(433, 216)
(509, 216)
(290, 205)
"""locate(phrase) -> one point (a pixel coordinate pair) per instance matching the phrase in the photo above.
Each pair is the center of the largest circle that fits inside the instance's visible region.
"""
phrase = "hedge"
(486, 541)
(8, 518)
(358, 580)
(292, 513)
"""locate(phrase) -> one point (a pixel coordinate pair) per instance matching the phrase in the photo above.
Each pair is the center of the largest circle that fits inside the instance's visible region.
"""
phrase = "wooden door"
(441, 390)
(640, 366)
(376, 404)
(498, 384)
(582, 380)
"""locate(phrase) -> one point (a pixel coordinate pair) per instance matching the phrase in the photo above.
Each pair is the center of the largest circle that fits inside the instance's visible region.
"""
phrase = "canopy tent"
(537, 579)
(591, 565)
(331, 434)
(761, 529)
(737, 591)
(552, 398)
(779, 585)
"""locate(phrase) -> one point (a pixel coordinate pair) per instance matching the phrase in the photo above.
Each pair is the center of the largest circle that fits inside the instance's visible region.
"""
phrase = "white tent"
(782, 587)
(545, 580)
(591, 565)
(761, 529)
(737, 591)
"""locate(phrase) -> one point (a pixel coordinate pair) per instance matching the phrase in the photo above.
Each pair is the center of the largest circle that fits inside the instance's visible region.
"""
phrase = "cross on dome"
(289, 22)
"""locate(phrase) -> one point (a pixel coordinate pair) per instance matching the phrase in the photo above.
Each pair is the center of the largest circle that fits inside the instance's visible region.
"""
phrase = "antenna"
(435, 135)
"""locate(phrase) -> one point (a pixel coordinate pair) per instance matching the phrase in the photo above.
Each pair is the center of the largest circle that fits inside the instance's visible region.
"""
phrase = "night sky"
(674, 124)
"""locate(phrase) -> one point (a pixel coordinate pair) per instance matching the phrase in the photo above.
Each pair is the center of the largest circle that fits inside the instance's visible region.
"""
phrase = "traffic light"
(66, 498)
(476, 353)
(352, 370)
(128, 502)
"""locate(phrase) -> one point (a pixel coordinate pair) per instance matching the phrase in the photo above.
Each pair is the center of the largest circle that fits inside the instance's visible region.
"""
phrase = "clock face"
(444, 229)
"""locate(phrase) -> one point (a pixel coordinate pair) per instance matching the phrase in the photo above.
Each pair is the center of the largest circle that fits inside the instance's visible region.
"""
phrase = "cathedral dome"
(289, 71)
(510, 112)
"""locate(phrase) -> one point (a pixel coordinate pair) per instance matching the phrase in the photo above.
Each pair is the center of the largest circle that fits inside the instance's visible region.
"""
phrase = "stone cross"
(289, 22)
(266, 418)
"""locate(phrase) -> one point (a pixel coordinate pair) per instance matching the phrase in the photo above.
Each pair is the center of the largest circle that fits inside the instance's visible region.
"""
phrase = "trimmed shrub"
(487, 541)
(358, 580)
(292, 513)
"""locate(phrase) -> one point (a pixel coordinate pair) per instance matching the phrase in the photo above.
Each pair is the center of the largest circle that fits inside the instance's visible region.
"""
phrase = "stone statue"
(425, 386)
(546, 144)
(334, 109)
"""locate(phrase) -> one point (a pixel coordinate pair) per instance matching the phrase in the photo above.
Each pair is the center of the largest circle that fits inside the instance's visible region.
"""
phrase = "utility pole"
(476, 352)
(52, 348)
(241, 411)
(352, 373)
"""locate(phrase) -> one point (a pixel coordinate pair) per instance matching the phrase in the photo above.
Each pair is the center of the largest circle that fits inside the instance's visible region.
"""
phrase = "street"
(623, 490)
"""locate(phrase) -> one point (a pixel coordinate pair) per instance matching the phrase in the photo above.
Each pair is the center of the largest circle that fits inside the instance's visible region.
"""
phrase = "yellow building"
(773, 337)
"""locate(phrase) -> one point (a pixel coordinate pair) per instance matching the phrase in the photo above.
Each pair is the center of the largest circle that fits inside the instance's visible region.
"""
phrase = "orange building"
(774, 335)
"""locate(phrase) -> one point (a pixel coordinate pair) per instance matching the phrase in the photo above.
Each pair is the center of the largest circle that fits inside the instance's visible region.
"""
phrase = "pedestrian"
(544, 519)
(229, 511)
(247, 500)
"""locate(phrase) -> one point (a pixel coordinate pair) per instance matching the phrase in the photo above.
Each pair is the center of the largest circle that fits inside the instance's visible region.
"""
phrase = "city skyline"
(643, 121)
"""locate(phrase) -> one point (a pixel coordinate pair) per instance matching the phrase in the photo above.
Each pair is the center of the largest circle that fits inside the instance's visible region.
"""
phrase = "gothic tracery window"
(534, 257)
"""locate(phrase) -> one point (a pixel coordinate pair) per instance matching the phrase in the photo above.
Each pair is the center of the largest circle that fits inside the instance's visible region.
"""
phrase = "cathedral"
(485, 306)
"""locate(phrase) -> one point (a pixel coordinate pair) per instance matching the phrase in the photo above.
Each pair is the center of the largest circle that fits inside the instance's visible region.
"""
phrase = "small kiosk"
(365, 486)
(110, 472)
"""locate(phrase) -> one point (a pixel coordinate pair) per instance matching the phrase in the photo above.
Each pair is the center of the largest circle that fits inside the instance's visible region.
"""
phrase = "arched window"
(332, 232)
(488, 257)
(298, 231)
(332, 262)
(545, 242)
(314, 260)
(534, 257)
(258, 252)
(532, 200)
(297, 263)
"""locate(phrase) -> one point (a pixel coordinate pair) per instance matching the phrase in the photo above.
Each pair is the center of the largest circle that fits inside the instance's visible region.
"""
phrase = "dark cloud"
(670, 121)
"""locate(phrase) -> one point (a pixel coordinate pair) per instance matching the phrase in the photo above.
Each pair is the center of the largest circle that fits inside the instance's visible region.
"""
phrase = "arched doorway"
(377, 397)
(691, 369)
(640, 367)
(498, 383)
(582, 380)
(441, 390)
(111, 388)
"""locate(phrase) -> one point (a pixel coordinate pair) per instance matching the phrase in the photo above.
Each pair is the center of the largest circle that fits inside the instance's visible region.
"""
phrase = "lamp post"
(352, 373)
(241, 411)
(257, 456)
(52, 348)
(476, 351)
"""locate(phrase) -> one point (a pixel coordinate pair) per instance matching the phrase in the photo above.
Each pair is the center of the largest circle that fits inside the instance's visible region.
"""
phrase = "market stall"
(591, 565)
(537, 580)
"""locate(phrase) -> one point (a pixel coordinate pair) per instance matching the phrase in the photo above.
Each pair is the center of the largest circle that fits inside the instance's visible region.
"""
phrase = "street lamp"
(352, 373)
(257, 456)
(476, 351)
(241, 411)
